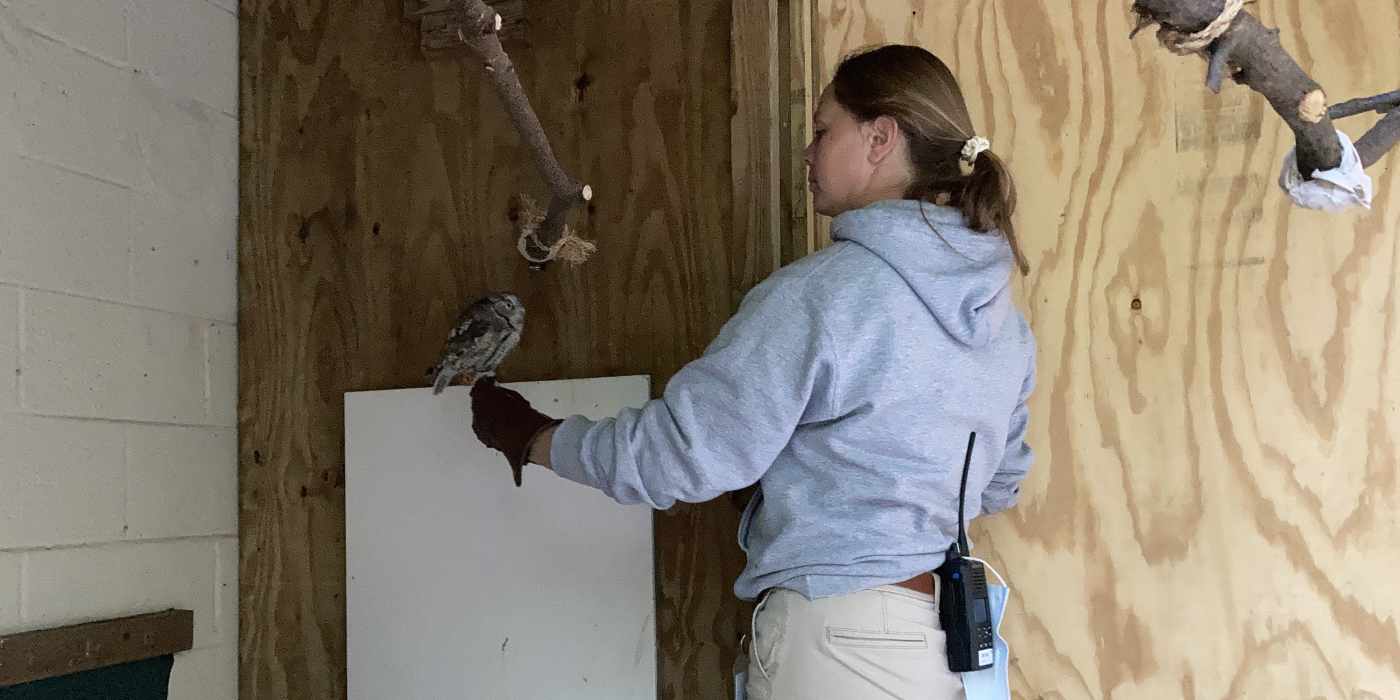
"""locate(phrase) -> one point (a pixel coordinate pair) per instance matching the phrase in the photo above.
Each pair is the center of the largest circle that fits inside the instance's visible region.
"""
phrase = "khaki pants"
(883, 643)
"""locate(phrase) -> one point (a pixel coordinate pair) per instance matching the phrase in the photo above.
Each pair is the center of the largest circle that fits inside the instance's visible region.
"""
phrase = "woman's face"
(849, 163)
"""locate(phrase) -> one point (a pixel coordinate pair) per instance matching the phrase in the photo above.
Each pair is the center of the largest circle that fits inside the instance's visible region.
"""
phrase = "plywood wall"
(1214, 510)
(375, 205)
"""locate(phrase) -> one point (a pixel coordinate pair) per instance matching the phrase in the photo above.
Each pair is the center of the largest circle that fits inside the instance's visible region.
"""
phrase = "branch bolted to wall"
(1239, 46)
(543, 236)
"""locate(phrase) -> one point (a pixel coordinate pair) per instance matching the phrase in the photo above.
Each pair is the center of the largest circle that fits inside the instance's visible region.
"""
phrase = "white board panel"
(460, 585)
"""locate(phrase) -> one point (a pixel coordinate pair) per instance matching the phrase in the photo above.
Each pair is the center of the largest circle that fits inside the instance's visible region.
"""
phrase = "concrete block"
(9, 348)
(62, 481)
(184, 258)
(189, 149)
(230, 6)
(181, 481)
(10, 563)
(222, 340)
(190, 46)
(104, 360)
(16, 40)
(62, 230)
(70, 109)
(226, 591)
(97, 27)
(64, 586)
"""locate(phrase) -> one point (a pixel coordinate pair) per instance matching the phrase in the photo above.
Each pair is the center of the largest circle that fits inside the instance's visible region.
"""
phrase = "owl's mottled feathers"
(485, 333)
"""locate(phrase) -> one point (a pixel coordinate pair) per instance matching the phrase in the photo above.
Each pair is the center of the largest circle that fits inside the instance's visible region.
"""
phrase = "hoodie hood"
(964, 278)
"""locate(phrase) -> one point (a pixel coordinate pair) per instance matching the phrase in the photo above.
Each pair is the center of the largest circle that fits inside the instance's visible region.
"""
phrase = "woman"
(845, 387)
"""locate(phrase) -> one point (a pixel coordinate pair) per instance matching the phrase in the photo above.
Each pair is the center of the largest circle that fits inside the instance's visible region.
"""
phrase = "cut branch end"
(1313, 108)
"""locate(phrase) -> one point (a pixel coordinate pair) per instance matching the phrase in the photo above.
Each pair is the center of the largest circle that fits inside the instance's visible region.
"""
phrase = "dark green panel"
(138, 680)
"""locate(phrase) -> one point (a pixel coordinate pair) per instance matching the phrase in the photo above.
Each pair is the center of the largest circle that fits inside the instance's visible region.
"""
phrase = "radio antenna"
(962, 497)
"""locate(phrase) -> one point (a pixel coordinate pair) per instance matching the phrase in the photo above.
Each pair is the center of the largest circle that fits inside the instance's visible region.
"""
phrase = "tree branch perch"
(1382, 137)
(1379, 103)
(479, 24)
(1252, 55)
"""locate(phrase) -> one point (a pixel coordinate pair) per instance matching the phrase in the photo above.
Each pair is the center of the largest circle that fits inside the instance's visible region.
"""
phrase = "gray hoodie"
(846, 385)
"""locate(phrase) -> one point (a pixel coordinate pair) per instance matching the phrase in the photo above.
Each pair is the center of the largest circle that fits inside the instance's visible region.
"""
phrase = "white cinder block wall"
(118, 202)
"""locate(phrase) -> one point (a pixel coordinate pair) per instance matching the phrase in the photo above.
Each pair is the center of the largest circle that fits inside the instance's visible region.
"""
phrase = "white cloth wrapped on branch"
(1345, 187)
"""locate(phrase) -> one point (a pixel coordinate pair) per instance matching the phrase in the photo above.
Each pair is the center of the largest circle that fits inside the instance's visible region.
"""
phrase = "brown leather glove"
(503, 420)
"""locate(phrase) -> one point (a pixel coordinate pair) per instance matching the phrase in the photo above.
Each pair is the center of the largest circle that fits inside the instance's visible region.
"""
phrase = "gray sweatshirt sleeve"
(723, 418)
(1005, 486)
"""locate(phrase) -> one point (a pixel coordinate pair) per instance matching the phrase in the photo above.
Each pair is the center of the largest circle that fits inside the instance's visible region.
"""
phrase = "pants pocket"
(767, 629)
(842, 637)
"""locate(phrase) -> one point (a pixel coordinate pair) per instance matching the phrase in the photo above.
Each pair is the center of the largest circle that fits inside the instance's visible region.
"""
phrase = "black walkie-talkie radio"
(964, 607)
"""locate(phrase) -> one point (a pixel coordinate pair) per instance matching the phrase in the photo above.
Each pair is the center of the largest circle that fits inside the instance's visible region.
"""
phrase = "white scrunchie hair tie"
(973, 148)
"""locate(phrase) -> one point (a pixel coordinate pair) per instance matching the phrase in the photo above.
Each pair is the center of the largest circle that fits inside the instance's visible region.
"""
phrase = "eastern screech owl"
(485, 333)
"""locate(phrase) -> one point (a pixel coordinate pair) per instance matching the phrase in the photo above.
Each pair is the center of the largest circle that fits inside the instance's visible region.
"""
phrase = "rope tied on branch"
(1187, 44)
(569, 248)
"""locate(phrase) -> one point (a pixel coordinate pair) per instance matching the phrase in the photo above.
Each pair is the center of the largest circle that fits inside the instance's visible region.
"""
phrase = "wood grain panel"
(1213, 514)
(797, 60)
(756, 129)
(376, 191)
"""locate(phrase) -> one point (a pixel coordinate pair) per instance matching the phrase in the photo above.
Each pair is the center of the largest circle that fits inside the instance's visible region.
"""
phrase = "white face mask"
(992, 683)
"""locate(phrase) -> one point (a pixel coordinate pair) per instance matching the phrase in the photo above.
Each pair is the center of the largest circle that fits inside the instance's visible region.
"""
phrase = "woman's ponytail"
(916, 89)
(989, 199)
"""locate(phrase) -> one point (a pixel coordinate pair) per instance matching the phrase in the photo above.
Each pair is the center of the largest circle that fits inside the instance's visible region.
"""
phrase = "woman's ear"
(882, 137)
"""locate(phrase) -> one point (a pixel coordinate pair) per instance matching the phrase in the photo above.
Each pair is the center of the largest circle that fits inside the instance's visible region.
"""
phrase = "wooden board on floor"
(1213, 514)
(375, 204)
